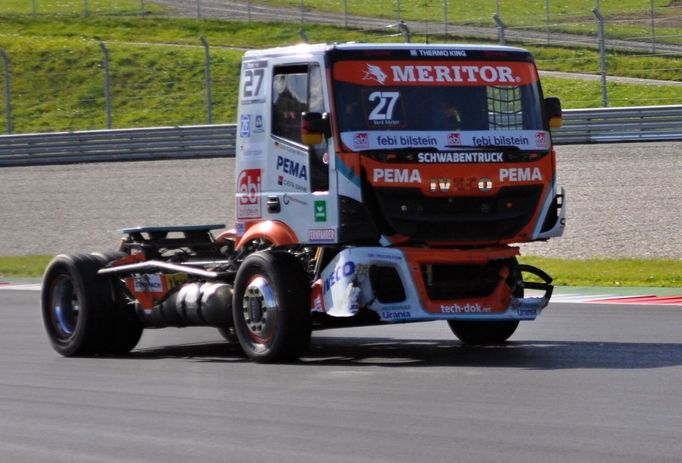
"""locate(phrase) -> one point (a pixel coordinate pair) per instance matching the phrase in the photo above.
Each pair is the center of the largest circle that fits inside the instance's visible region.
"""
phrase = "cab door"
(298, 185)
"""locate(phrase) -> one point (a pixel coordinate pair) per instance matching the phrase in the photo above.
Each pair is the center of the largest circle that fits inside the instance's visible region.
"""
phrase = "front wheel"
(482, 332)
(271, 307)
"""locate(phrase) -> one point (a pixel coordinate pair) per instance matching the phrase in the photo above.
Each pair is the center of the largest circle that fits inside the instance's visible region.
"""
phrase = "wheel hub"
(64, 307)
(259, 308)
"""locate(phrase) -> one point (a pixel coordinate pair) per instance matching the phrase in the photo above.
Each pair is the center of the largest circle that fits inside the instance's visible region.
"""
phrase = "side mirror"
(553, 112)
(314, 127)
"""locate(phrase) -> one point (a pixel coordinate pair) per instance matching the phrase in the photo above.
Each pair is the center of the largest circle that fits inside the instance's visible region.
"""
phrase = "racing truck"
(374, 184)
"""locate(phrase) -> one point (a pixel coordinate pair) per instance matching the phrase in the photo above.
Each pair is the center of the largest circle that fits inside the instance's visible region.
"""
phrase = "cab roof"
(318, 49)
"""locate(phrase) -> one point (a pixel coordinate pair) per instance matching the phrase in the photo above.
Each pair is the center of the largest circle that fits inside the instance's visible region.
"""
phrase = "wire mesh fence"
(649, 21)
(71, 84)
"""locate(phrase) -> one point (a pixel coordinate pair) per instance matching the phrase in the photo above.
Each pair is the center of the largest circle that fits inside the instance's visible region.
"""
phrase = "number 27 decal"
(385, 105)
(253, 82)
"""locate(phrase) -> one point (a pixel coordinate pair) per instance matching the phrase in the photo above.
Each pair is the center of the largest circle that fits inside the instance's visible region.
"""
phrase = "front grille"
(480, 218)
(448, 282)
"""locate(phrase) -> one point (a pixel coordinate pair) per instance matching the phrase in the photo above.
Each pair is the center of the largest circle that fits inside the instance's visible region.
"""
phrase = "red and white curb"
(20, 286)
(645, 299)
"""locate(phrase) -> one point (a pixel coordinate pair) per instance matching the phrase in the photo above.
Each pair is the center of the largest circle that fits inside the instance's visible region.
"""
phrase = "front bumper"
(416, 284)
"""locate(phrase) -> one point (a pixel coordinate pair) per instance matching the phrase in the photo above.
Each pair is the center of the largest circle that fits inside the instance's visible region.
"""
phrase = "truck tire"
(228, 334)
(488, 332)
(483, 332)
(83, 313)
(271, 307)
(127, 327)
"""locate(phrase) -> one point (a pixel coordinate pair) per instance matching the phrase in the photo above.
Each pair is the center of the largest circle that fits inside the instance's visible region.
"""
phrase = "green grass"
(157, 70)
(625, 18)
(587, 93)
(78, 7)
(611, 272)
(23, 266)
(566, 272)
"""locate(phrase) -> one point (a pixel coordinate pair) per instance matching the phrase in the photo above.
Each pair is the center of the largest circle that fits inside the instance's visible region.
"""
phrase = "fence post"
(405, 30)
(302, 12)
(207, 81)
(445, 17)
(248, 10)
(8, 93)
(399, 10)
(345, 14)
(142, 8)
(85, 8)
(33, 7)
(547, 19)
(602, 55)
(107, 83)
(198, 9)
(653, 29)
(501, 26)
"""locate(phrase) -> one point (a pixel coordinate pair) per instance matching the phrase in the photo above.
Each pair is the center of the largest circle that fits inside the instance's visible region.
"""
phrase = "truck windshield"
(438, 104)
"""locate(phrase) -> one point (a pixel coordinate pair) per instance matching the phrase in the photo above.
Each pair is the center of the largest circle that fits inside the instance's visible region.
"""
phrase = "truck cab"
(439, 145)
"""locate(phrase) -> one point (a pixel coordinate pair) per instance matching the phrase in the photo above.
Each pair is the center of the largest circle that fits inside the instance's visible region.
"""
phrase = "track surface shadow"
(391, 352)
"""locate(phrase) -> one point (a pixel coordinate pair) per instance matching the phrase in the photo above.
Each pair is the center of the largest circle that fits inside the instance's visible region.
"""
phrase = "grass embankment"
(157, 69)
(658, 273)
(624, 18)
(23, 266)
(591, 272)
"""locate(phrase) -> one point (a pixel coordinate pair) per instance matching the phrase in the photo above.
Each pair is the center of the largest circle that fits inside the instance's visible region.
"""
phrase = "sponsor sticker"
(258, 124)
(293, 168)
(541, 140)
(149, 284)
(395, 315)
(245, 126)
(396, 176)
(320, 211)
(322, 235)
(251, 150)
(427, 73)
(444, 141)
(287, 199)
(361, 140)
(504, 140)
(520, 174)
(454, 139)
(464, 308)
(248, 194)
(340, 273)
(460, 157)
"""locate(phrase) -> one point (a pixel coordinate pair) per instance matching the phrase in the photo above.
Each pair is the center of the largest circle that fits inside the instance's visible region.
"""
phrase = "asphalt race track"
(583, 383)
(624, 200)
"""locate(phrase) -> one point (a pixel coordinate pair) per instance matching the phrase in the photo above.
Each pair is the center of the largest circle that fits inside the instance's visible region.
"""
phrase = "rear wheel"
(271, 307)
(84, 313)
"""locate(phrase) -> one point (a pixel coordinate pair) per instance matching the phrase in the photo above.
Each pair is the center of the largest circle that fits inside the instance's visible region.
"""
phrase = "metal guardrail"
(612, 125)
(199, 141)
(646, 123)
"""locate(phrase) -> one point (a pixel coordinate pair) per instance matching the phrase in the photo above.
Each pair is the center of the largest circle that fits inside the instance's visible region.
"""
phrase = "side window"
(297, 89)
(289, 100)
